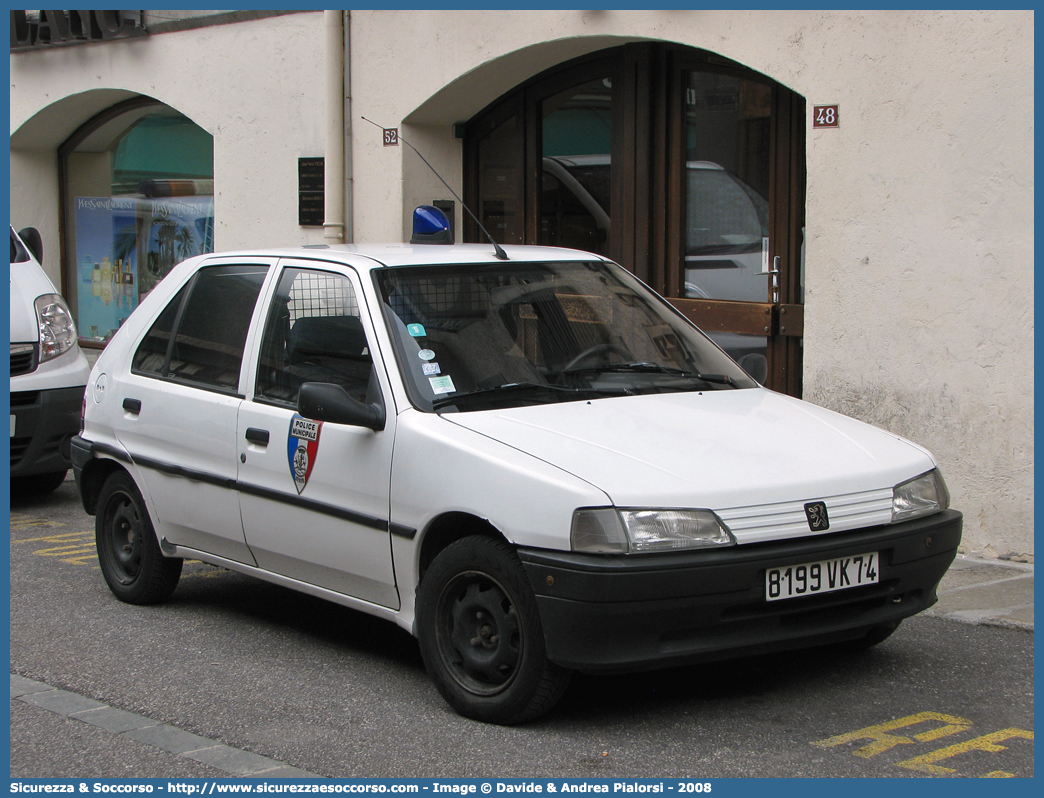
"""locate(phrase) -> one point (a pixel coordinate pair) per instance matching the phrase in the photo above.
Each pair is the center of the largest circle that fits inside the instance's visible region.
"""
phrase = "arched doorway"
(681, 165)
(137, 197)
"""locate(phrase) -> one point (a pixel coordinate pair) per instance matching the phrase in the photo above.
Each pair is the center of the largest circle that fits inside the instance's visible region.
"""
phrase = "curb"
(233, 761)
(986, 592)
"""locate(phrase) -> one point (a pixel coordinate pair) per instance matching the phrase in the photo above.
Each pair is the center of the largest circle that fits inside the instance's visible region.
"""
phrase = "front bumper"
(615, 613)
(43, 424)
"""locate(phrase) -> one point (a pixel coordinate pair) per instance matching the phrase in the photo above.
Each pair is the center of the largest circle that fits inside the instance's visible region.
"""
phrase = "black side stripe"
(110, 451)
(184, 473)
(381, 525)
(316, 507)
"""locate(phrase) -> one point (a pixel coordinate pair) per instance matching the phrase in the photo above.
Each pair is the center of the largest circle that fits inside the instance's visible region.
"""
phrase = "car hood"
(717, 449)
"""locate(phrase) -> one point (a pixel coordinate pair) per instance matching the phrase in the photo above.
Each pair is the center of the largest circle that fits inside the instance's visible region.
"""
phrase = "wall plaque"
(311, 191)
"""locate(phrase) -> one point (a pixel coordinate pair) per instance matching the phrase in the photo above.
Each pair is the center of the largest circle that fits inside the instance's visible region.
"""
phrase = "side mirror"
(34, 243)
(326, 401)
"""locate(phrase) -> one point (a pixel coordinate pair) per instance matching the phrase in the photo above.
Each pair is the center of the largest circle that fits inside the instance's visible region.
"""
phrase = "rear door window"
(200, 337)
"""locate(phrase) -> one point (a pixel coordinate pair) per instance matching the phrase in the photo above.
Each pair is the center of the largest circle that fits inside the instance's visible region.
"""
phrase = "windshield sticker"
(431, 368)
(302, 446)
(416, 330)
(426, 354)
(441, 384)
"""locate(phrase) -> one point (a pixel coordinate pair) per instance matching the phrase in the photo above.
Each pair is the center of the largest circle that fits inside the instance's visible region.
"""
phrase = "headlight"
(606, 530)
(57, 331)
(920, 496)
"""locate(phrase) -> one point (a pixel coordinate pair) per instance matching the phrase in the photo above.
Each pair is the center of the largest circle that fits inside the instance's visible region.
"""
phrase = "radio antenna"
(499, 250)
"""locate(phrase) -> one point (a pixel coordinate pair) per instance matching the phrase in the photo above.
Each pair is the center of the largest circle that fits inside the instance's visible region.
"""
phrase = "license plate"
(825, 576)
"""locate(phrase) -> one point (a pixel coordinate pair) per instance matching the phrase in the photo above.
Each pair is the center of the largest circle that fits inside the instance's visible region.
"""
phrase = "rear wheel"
(129, 554)
(480, 634)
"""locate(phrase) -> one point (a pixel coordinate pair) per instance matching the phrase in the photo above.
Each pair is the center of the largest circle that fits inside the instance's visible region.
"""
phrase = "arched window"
(683, 166)
(137, 185)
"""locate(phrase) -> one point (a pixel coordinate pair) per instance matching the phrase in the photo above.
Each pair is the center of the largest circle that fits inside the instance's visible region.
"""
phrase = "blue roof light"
(430, 226)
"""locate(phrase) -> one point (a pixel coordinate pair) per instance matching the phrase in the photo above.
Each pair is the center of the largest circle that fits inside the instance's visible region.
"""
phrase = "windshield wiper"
(643, 367)
(646, 367)
(721, 379)
(511, 387)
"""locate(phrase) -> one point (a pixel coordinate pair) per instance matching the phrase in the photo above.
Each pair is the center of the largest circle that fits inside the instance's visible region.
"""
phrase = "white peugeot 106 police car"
(525, 457)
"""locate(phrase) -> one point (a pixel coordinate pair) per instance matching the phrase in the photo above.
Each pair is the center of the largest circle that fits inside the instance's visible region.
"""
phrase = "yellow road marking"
(988, 742)
(78, 548)
(87, 559)
(58, 551)
(883, 741)
(25, 523)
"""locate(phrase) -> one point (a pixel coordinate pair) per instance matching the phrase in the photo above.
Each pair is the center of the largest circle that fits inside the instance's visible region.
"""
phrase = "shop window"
(138, 198)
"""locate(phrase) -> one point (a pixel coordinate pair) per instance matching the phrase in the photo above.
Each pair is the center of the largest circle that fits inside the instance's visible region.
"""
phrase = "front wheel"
(129, 554)
(480, 634)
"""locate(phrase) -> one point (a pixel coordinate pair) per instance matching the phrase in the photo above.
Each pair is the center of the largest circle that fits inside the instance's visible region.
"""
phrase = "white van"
(48, 372)
(525, 457)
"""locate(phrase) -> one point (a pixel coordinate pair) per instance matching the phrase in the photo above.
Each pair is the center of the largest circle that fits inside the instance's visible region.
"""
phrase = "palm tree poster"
(125, 246)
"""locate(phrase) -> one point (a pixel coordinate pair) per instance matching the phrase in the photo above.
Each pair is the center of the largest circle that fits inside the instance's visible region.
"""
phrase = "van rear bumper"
(603, 613)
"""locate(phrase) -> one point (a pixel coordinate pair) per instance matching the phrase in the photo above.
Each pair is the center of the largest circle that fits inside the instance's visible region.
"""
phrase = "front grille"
(19, 446)
(786, 520)
(25, 398)
(23, 359)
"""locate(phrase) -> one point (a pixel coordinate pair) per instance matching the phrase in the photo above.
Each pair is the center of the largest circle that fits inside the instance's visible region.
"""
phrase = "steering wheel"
(597, 349)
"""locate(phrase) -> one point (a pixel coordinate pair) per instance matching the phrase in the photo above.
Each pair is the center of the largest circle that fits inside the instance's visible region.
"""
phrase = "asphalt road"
(331, 691)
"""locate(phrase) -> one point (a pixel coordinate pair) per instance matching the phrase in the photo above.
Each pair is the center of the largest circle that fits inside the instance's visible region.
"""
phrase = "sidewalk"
(992, 592)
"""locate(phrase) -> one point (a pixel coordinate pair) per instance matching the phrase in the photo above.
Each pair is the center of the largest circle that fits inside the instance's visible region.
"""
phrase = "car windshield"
(482, 336)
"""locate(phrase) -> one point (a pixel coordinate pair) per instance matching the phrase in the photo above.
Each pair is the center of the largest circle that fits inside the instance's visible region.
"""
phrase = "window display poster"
(125, 246)
(104, 298)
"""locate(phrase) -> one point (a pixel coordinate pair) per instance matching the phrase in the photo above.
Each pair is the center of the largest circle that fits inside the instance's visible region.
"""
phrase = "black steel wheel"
(480, 634)
(129, 554)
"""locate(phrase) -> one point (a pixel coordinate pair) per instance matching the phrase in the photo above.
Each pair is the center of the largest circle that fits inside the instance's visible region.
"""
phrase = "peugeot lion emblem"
(816, 513)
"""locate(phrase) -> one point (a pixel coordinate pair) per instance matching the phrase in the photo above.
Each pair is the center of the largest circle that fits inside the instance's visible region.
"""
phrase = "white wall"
(919, 254)
(256, 86)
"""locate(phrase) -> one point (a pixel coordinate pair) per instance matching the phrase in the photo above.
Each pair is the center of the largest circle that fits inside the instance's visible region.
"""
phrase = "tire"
(480, 634)
(129, 554)
(38, 484)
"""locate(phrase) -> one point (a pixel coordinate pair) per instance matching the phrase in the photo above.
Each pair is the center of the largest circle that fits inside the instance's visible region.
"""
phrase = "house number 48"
(824, 116)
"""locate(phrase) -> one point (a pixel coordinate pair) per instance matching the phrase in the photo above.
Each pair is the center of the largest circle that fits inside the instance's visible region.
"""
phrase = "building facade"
(844, 200)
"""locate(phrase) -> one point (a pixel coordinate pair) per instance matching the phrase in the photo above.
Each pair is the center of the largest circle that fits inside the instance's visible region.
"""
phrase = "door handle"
(132, 405)
(258, 436)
